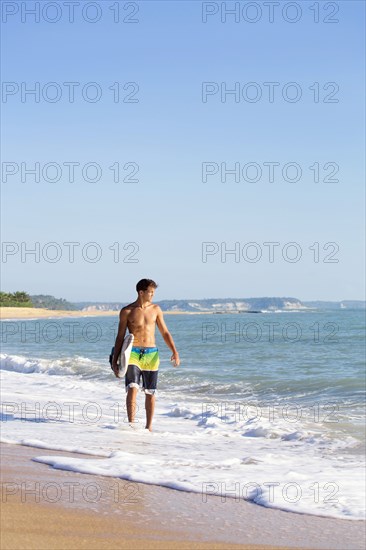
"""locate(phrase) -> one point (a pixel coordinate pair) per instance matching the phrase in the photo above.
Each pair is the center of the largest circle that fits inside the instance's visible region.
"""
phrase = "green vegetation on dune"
(15, 299)
(50, 302)
(22, 299)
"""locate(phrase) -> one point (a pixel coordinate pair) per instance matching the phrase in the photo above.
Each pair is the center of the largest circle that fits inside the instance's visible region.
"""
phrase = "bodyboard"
(124, 356)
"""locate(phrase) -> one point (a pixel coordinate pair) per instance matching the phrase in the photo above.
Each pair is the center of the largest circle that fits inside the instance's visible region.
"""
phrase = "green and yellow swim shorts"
(143, 363)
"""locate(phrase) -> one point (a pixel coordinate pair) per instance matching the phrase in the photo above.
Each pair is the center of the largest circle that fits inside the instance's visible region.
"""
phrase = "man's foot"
(147, 428)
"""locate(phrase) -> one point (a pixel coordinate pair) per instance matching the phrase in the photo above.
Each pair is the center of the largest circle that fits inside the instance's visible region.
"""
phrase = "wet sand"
(47, 508)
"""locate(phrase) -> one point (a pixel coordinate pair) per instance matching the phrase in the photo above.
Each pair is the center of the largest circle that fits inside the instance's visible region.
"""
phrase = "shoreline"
(9, 313)
(29, 313)
(112, 513)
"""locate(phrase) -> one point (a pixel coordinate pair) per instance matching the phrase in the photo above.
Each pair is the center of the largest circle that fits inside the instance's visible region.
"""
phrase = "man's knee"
(132, 389)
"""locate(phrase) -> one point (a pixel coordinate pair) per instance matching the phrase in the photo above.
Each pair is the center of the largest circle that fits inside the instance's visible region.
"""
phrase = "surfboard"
(124, 356)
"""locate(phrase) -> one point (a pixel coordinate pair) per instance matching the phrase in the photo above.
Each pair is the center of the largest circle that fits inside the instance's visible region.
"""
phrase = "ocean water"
(265, 407)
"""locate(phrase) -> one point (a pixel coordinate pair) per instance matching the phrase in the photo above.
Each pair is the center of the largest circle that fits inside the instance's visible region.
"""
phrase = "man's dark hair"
(145, 283)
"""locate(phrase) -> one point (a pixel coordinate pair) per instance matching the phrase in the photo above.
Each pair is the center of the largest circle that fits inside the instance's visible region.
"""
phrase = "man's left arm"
(167, 337)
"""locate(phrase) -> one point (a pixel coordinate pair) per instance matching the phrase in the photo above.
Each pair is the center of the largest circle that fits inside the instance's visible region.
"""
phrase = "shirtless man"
(140, 318)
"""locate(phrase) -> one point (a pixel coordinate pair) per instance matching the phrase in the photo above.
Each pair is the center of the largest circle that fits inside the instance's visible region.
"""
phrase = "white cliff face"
(242, 305)
(231, 306)
(226, 306)
(235, 306)
(197, 306)
(102, 307)
(217, 305)
(293, 305)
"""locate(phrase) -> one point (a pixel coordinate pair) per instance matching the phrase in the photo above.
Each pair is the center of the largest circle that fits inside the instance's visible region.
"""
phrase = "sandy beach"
(39, 313)
(47, 508)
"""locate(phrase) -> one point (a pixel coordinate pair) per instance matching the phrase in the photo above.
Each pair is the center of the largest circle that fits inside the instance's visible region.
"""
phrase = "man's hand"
(115, 369)
(175, 359)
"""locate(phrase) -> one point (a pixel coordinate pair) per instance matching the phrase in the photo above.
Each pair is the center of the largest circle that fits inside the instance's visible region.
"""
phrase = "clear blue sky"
(169, 133)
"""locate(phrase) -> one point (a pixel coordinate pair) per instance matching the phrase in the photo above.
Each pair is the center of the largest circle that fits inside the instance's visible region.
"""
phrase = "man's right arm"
(120, 337)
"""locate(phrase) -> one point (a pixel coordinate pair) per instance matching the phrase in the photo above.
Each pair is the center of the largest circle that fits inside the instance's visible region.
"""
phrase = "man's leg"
(131, 403)
(132, 381)
(150, 380)
(150, 408)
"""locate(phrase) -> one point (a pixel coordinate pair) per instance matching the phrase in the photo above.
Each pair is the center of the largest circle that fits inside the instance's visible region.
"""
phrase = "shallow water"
(268, 407)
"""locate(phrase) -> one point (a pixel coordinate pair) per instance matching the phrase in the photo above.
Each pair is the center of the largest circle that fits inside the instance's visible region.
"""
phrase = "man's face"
(148, 294)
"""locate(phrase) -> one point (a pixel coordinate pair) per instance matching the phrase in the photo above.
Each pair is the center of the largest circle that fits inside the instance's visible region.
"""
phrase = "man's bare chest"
(139, 317)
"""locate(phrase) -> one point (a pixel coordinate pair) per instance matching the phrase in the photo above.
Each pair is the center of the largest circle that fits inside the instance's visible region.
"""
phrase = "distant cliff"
(214, 305)
(232, 304)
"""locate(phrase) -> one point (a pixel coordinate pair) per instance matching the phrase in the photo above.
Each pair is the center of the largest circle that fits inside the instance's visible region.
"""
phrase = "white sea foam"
(300, 466)
(76, 365)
